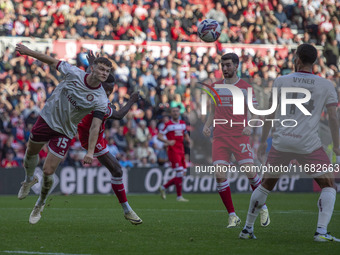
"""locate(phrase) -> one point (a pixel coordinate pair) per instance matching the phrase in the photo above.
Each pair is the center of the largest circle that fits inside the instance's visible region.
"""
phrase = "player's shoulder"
(317, 78)
(170, 122)
(217, 82)
(242, 84)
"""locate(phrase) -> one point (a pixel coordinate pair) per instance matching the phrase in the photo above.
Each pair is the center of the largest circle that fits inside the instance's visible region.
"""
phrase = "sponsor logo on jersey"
(90, 97)
(71, 100)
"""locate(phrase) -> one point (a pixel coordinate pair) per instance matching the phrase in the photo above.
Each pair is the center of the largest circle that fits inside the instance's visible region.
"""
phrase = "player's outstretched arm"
(93, 137)
(122, 112)
(23, 50)
(334, 127)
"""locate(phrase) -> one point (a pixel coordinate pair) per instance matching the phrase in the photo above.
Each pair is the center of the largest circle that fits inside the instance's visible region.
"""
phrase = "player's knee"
(220, 175)
(220, 180)
(327, 183)
(118, 172)
(48, 170)
(31, 149)
(268, 183)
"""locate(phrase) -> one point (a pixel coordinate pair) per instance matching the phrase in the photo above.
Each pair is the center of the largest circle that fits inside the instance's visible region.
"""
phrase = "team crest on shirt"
(90, 97)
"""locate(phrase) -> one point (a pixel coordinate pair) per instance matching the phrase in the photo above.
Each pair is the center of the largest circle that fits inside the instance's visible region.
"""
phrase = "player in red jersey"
(175, 132)
(232, 138)
(101, 151)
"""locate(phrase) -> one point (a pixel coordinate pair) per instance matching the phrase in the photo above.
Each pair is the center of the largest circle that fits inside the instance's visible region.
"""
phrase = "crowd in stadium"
(25, 84)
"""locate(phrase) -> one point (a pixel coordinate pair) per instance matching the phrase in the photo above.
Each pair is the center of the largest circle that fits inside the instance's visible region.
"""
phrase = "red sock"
(118, 188)
(255, 182)
(225, 194)
(169, 183)
(178, 183)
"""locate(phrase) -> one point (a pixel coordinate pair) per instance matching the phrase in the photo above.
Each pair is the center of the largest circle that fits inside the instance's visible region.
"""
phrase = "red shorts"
(278, 158)
(100, 148)
(223, 147)
(177, 160)
(58, 143)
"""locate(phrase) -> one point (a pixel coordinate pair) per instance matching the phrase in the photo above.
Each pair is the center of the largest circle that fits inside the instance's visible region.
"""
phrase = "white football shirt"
(303, 138)
(72, 100)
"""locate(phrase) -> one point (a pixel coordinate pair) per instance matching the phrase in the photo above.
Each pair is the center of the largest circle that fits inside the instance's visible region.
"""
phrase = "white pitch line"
(174, 210)
(36, 252)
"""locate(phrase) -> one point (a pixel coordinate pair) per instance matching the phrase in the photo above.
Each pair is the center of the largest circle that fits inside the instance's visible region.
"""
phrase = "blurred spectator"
(146, 155)
(281, 16)
(120, 140)
(163, 81)
(9, 160)
(113, 148)
(218, 15)
(125, 162)
(142, 132)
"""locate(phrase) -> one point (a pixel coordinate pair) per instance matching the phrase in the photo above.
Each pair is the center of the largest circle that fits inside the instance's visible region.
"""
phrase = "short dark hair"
(102, 60)
(234, 58)
(307, 53)
(107, 85)
(175, 107)
(110, 79)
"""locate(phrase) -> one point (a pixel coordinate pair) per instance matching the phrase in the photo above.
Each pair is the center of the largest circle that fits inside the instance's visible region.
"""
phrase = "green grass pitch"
(95, 225)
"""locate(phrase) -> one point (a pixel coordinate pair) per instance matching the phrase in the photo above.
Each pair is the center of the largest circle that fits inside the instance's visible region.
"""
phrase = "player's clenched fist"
(246, 131)
(22, 49)
(88, 158)
(171, 142)
(135, 96)
(206, 131)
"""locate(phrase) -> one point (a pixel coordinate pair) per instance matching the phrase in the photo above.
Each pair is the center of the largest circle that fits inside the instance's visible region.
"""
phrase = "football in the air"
(209, 30)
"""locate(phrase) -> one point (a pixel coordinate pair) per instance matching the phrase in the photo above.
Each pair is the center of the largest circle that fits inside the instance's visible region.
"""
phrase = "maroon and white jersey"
(175, 131)
(303, 138)
(72, 100)
(225, 111)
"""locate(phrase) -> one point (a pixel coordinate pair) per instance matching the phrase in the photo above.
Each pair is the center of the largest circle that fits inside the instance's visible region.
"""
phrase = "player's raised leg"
(177, 181)
(51, 163)
(255, 181)
(257, 200)
(326, 206)
(112, 164)
(31, 160)
(225, 194)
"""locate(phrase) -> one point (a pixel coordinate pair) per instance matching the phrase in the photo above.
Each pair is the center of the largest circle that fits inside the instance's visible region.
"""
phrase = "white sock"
(326, 205)
(30, 163)
(162, 187)
(233, 213)
(126, 207)
(257, 200)
(47, 183)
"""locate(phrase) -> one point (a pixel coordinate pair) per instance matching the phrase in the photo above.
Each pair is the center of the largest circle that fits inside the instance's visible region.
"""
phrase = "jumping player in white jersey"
(77, 95)
(301, 142)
